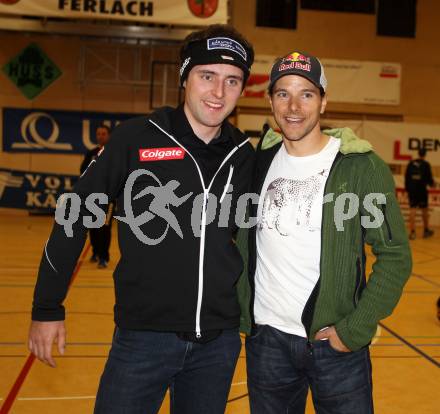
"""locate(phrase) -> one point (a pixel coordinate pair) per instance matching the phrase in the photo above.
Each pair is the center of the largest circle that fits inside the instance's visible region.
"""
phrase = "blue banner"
(32, 190)
(46, 131)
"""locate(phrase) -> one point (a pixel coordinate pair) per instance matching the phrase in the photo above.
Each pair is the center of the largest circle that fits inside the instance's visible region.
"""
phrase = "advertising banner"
(399, 142)
(360, 82)
(363, 82)
(173, 12)
(46, 131)
(31, 190)
(31, 71)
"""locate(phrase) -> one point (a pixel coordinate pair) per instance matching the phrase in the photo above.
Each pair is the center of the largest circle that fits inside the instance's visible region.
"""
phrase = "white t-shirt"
(289, 236)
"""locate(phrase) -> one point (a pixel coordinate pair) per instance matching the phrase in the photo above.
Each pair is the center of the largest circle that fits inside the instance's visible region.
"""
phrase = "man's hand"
(42, 335)
(331, 334)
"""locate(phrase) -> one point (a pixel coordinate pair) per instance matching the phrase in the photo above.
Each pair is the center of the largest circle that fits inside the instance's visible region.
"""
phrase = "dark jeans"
(142, 365)
(282, 367)
(100, 240)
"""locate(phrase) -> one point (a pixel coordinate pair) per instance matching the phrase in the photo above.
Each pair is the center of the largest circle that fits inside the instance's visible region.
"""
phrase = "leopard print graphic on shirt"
(282, 192)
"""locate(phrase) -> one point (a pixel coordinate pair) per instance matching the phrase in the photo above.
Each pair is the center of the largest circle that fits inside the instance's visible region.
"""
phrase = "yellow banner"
(175, 12)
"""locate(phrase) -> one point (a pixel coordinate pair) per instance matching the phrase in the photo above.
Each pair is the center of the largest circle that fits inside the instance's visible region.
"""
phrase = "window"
(277, 13)
(352, 6)
(396, 18)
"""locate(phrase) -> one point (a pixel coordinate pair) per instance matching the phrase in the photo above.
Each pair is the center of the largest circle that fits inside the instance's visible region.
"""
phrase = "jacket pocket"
(256, 331)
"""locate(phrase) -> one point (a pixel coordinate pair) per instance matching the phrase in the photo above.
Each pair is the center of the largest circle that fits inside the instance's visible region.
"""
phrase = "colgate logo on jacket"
(161, 154)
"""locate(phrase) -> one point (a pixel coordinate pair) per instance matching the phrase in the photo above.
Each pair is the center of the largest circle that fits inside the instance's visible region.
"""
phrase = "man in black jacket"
(418, 176)
(100, 238)
(179, 176)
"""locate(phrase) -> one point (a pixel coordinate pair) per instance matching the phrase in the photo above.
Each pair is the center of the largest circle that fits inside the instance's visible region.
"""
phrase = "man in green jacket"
(311, 311)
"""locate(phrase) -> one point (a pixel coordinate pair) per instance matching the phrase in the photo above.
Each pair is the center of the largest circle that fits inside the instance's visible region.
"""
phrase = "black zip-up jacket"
(88, 158)
(186, 282)
(418, 176)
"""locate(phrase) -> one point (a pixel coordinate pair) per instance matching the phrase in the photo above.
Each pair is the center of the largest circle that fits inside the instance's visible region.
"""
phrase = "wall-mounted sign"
(360, 82)
(176, 12)
(31, 71)
(33, 190)
(47, 131)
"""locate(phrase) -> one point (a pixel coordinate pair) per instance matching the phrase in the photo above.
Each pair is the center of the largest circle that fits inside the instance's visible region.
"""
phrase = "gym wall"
(325, 34)
(88, 83)
(352, 36)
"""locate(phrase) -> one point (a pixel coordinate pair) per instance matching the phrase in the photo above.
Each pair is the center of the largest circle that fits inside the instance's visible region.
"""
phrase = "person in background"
(438, 308)
(418, 176)
(100, 237)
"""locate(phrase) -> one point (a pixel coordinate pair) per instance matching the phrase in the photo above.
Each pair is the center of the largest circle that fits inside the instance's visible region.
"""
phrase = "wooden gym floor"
(405, 352)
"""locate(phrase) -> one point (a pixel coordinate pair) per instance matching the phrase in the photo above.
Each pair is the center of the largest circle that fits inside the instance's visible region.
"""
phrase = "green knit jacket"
(344, 296)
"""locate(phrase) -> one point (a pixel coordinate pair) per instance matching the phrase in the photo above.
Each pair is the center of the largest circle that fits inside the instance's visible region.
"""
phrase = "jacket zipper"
(307, 328)
(228, 181)
(203, 219)
(335, 163)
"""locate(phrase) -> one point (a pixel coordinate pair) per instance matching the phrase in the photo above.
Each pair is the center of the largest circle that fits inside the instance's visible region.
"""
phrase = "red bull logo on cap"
(295, 60)
(296, 57)
(295, 65)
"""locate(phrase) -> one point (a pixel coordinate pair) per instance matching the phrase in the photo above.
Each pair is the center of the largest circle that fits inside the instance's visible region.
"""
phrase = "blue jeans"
(281, 368)
(142, 365)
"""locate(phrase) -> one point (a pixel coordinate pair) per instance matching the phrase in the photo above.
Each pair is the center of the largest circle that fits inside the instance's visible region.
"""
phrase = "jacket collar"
(167, 116)
(350, 142)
